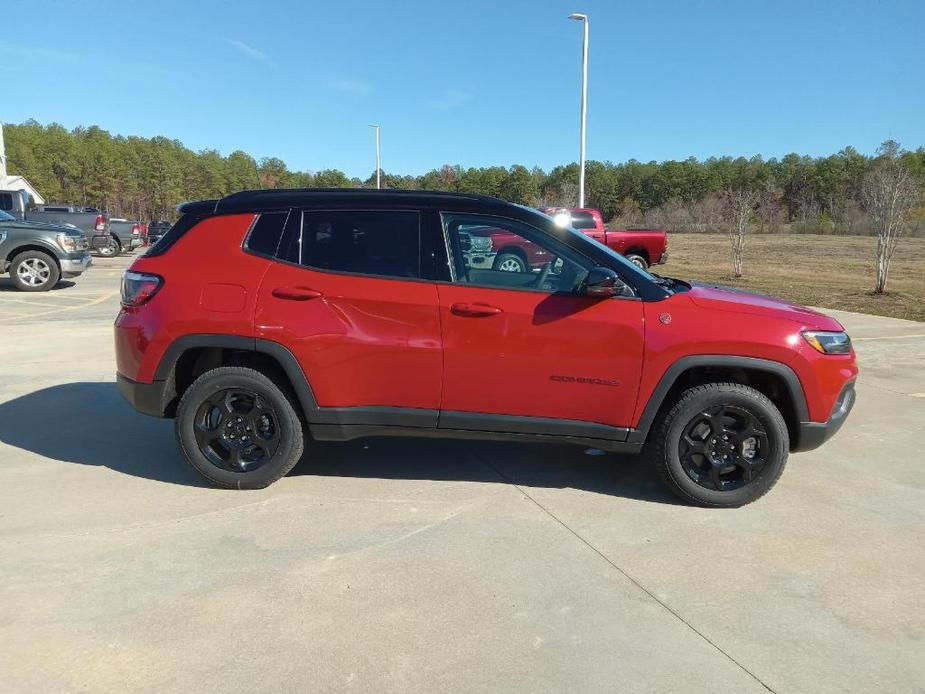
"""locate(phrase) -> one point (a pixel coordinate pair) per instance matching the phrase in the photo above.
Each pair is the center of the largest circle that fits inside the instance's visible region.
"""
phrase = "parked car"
(37, 255)
(156, 229)
(644, 247)
(356, 313)
(93, 223)
(124, 236)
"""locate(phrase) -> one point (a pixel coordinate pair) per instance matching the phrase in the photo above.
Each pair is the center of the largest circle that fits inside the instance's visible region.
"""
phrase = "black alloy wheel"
(237, 430)
(723, 448)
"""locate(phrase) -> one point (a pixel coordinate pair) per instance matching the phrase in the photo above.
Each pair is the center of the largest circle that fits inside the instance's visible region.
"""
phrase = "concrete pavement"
(417, 565)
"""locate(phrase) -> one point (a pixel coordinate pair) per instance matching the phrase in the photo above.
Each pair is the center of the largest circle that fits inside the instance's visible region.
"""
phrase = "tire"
(509, 262)
(638, 260)
(709, 479)
(34, 271)
(271, 424)
(112, 248)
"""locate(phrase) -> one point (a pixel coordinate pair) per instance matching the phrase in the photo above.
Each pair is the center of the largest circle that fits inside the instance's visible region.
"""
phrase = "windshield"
(6, 217)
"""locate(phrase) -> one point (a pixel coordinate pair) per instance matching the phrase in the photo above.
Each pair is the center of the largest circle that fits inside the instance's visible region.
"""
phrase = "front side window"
(6, 201)
(504, 253)
(364, 242)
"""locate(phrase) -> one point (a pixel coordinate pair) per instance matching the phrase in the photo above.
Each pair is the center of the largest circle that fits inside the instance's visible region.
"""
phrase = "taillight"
(139, 287)
(100, 223)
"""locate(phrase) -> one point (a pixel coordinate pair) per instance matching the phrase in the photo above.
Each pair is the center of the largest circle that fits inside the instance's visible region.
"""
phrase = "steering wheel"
(544, 274)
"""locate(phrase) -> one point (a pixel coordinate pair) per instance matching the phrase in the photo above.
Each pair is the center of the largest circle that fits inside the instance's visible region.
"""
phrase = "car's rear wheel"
(34, 271)
(638, 260)
(238, 428)
(721, 445)
(111, 249)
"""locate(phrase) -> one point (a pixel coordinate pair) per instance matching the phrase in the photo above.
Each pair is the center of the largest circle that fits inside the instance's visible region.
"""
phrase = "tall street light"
(378, 166)
(584, 104)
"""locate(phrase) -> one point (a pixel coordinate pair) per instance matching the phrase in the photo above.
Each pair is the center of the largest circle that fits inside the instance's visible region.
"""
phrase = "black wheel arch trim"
(673, 372)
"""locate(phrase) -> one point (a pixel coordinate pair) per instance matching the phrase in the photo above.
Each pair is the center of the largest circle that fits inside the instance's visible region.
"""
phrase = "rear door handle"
(475, 310)
(296, 293)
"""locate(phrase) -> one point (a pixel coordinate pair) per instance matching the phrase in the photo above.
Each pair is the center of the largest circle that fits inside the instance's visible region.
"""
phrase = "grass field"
(830, 271)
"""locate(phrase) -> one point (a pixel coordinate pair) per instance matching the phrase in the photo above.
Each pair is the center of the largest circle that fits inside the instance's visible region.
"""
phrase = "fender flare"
(285, 358)
(673, 372)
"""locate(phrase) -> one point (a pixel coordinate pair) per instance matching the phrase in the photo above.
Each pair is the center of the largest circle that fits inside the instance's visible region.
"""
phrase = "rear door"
(345, 295)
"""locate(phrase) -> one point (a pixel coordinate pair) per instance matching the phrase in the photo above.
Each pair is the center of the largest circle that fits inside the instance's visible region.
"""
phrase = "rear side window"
(380, 243)
(583, 220)
(266, 233)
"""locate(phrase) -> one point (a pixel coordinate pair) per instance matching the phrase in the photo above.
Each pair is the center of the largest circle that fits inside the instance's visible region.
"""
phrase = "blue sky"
(474, 83)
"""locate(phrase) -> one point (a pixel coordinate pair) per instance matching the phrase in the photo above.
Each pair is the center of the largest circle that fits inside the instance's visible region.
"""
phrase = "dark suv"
(358, 313)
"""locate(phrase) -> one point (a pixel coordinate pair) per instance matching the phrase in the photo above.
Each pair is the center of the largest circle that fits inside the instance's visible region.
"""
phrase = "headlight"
(68, 243)
(2, 236)
(828, 342)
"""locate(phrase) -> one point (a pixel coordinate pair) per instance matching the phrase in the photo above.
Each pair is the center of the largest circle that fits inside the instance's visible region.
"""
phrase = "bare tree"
(890, 191)
(740, 205)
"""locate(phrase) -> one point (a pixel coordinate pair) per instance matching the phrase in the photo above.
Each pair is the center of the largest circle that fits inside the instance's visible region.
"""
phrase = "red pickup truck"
(644, 247)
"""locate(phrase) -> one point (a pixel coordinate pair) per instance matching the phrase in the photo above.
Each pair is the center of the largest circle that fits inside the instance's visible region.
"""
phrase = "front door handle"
(296, 293)
(475, 310)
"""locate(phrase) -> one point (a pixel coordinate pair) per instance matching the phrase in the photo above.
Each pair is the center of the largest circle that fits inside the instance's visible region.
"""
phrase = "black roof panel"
(275, 198)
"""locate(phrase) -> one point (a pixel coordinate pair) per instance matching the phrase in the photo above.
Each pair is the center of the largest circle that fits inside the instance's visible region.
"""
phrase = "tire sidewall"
(767, 415)
(509, 256)
(54, 274)
(638, 261)
(111, 249)
(291, 442)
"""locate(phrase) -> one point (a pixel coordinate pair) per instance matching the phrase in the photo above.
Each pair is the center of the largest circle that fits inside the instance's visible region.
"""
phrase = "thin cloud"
(450, 99)
(248, 51)
(354, 87)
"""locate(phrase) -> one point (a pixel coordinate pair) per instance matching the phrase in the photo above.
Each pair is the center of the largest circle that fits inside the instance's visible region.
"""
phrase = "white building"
(8, 182)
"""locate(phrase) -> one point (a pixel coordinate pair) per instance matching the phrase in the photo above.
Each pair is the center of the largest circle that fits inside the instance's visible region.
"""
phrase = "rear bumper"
(75, 263)
(147, 398)
(814, 434)
(663, 259)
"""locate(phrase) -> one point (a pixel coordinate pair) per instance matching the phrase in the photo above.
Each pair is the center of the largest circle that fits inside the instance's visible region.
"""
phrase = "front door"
(345, 296)
(519, 340)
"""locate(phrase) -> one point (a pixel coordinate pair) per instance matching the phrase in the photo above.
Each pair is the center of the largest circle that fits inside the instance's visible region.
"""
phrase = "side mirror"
(603, 282)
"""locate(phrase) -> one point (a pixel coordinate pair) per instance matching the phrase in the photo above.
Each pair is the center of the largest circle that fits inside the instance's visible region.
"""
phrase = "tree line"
(145, 178)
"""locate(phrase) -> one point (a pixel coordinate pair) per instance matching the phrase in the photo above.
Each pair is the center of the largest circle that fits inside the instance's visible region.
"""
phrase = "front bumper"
(75, 263)
(136, 242)
(147, 398)
(813, 434)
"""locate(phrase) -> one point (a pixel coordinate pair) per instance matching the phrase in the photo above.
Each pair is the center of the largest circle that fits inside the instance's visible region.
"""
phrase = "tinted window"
(367, 243)
(583, 220)
(264, 237)
(6, 201)
(502, 253)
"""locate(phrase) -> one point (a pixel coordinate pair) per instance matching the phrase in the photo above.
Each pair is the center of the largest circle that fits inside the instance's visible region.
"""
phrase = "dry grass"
(831, 271)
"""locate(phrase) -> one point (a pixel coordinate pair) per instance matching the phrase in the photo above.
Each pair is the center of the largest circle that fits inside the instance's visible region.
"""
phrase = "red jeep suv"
(358, 313)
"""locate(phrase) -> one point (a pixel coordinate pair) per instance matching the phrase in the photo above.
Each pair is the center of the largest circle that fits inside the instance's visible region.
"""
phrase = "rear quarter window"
(266, 233)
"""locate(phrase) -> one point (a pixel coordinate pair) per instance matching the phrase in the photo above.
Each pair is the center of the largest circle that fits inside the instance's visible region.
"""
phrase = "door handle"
(475, 310)
(296, 293)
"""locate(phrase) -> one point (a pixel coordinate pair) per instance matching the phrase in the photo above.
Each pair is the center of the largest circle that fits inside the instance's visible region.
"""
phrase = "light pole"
(584, 104)
(378, 166)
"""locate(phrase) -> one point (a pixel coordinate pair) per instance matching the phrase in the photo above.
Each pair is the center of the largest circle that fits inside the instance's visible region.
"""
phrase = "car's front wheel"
(509, 262)
(721, 445)
(238, 428)
(34, 271)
